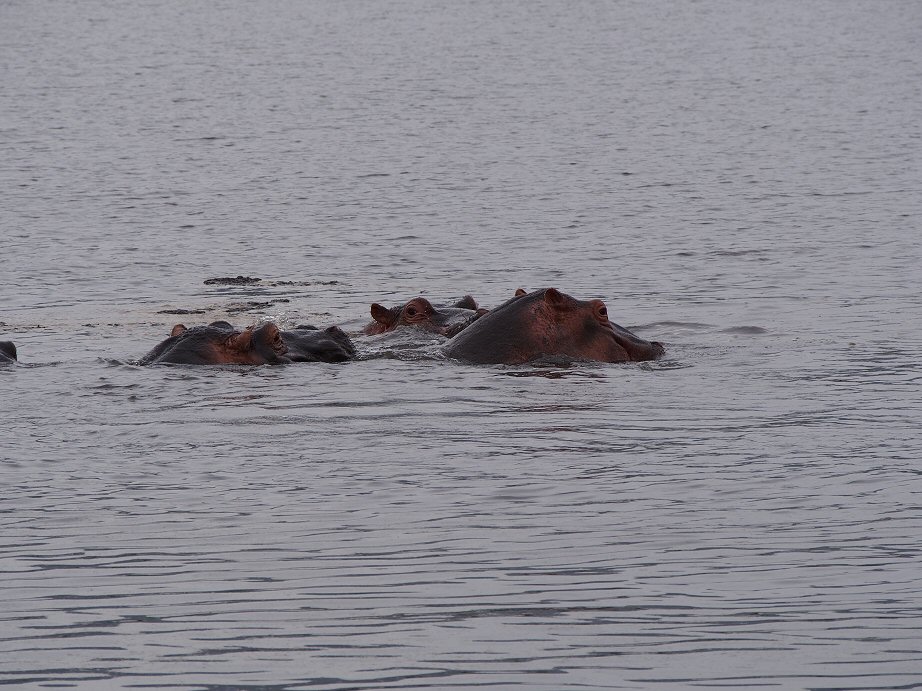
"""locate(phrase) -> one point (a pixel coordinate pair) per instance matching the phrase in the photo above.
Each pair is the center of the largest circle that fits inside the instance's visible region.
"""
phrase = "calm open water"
(740, 180)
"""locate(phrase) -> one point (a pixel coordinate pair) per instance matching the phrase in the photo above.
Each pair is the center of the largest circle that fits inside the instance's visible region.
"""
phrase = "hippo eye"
(411, 311)
(603, 311)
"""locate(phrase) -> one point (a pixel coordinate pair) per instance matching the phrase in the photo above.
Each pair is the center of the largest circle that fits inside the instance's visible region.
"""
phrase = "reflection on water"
(737, 180)
(553, 373)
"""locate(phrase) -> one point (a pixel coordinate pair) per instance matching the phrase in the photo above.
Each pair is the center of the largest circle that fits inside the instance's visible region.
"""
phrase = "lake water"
(740, 180)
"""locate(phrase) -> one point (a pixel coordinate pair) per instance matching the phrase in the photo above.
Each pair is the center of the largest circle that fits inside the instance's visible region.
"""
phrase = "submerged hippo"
(219, 343)
(310, 344)
(7, 352)
(548, 323)
(422, 314)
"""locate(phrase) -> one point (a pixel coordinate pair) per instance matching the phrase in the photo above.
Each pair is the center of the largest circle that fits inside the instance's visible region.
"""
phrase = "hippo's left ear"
(383, 315)
(519, 292)
(178, 329)
(554, 298)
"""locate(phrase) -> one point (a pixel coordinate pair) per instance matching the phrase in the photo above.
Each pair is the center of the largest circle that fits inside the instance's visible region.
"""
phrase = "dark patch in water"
(302, 283)
(738, 253)
(232, 281)
(246, 306)
(749, 330)
(547, 374)
(554, 373)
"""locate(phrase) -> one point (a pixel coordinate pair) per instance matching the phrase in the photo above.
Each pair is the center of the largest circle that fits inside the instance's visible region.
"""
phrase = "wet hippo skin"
(548, 323)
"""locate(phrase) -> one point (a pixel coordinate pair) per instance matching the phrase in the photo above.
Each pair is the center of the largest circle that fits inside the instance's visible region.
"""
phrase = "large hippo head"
(219, 343)
(310, 344)
(7, 352)
(548, 323)
(422, 314)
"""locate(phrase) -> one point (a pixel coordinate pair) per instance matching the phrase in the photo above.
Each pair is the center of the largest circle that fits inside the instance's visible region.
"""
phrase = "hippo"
(422, 314)
(219, 343)
(548, 323)
(7, 352)
(307, 343)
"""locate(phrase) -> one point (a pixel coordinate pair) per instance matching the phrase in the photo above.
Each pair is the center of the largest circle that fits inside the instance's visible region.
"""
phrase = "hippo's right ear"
(383, 315)
(519, 292)
(178, 329)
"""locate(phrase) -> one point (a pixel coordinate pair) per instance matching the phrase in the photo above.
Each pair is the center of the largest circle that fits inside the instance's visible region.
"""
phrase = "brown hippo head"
(422, 314)
(219, 343)
(548, 323)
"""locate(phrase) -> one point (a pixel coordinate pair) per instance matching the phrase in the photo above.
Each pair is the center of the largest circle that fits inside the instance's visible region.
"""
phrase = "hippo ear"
(467, 302)
(554, 298)
(178, 329)
(519, 292)
(382, 314)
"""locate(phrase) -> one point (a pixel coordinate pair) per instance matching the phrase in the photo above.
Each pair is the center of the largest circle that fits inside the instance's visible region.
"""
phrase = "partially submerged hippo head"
(7, 352)
(219, 343)
(422, 314)
(309, 344)
(548, 323)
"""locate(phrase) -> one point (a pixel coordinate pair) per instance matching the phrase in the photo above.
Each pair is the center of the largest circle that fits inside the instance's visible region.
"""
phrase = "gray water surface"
(738, 180)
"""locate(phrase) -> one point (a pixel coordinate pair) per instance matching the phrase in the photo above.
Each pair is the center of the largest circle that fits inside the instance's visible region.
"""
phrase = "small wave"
(746, 330)
(694, 326)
